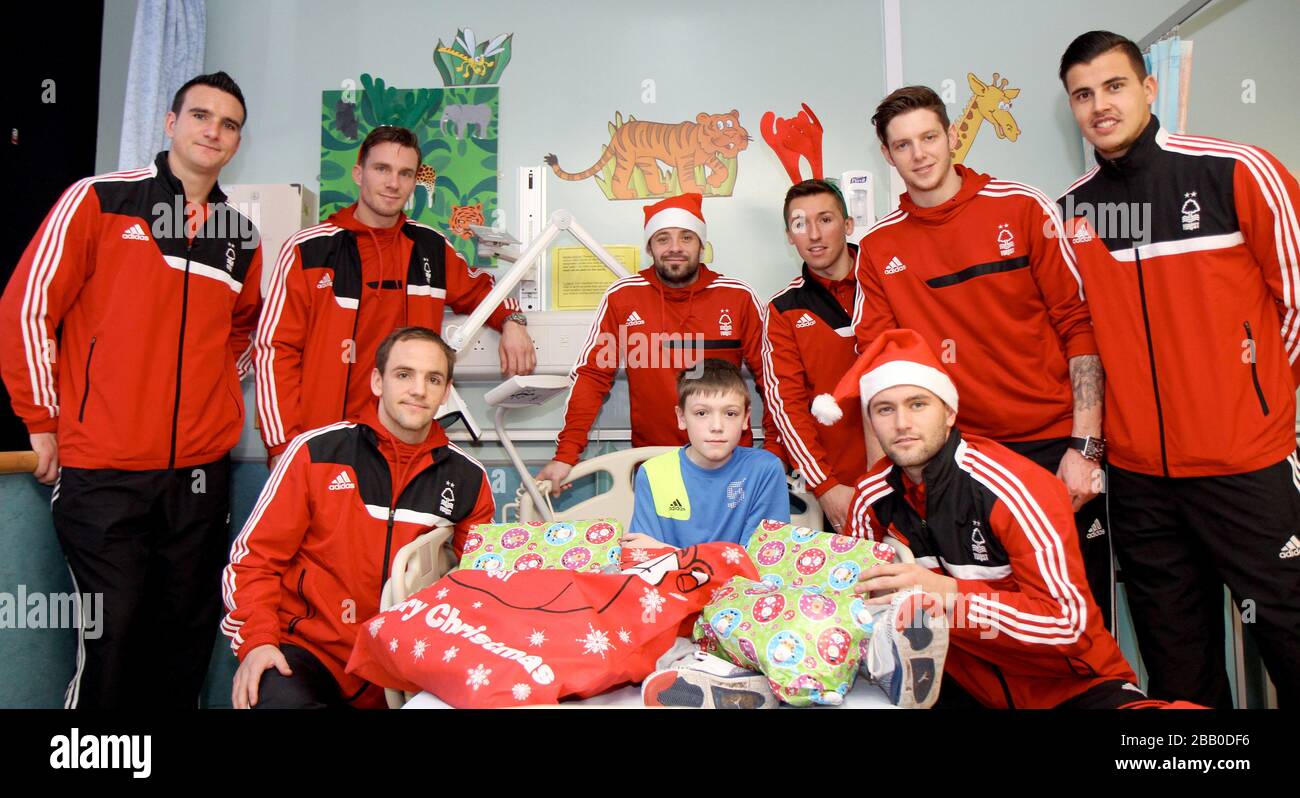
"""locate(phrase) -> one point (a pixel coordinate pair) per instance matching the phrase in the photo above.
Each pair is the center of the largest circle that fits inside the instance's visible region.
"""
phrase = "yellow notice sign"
(579, 279)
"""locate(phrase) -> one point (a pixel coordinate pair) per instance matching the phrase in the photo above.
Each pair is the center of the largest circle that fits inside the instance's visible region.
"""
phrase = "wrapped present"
(503, 638)
(797, 556)
(571, 545)
(806, 640)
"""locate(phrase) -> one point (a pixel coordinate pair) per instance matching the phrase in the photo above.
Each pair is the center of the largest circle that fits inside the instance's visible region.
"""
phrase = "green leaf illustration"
(486, 184)
(336, 197)
(330, 143)
(329, 170)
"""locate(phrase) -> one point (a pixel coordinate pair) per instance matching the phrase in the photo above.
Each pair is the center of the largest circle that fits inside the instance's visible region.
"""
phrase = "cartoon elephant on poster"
(465, 117)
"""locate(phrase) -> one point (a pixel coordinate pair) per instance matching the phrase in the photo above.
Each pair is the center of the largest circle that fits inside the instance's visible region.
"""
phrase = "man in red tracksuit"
(808, 346)
(993, 537)
(977, 266)
(148, 281)
(340, 287)
(1189, 248)
(656, 323)
(312, 560)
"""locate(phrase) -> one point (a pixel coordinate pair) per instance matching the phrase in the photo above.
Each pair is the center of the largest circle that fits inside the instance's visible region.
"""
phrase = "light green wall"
(1024, 39)
(1239, 40)
(114, 59)
(574, 64)
(577, 62)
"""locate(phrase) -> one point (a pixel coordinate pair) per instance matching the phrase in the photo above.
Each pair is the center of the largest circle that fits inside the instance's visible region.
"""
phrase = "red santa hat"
(896, 357)
(684, 210)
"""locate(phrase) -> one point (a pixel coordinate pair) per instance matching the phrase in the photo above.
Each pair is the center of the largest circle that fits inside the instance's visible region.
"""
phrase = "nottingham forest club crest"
(978, 549)
(1191, 211)
(447, 501)
(724, 323)
(1006, 240)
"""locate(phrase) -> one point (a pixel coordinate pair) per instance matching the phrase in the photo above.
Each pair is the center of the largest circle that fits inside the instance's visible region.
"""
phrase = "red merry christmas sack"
(506, 638)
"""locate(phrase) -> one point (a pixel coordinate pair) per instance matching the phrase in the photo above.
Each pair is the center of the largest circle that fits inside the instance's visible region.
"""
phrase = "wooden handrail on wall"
(17, 462)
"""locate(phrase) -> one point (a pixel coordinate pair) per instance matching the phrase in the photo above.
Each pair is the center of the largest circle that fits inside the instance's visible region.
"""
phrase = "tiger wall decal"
(640, 145)
(462, 216)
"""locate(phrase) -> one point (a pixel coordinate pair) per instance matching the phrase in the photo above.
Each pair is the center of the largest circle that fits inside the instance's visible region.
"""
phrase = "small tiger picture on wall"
(700, 156)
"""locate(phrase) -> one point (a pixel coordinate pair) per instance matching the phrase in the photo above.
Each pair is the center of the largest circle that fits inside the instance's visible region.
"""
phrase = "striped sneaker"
(908, 649)
(703, 681)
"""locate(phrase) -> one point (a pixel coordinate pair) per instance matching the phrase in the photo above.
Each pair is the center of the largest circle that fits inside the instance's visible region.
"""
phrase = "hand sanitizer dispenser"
(859, 189)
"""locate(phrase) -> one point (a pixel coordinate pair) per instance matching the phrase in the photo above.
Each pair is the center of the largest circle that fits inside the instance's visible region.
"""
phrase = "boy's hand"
(638, 540)
(248, 677)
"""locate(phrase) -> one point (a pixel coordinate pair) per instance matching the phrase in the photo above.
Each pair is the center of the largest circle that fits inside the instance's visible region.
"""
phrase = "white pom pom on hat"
(684, 210)
(896, 357)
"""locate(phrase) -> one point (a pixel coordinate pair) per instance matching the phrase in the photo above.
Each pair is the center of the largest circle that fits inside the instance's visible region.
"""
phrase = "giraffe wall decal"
(989, 102)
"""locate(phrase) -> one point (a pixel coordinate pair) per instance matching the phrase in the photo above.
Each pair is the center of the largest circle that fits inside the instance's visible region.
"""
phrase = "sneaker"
(908, 649)
(703, 681)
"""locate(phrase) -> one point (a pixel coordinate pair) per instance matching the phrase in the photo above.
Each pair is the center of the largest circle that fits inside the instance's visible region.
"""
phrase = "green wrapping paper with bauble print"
(797, 556)
(806, 640)
(587, 546)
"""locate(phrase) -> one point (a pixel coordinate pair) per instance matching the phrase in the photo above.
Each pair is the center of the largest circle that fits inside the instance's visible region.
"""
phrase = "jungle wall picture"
(456, 185)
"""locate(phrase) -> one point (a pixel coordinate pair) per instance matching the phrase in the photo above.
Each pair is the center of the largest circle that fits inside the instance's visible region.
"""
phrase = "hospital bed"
(426, 559)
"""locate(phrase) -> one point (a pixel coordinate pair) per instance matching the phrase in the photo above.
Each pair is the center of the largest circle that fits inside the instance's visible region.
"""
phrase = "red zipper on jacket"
(392, 511)
(388, 546)
(1151, 347)
(352, 358)
(1254, 368)
(81, 414)
(1151, 356)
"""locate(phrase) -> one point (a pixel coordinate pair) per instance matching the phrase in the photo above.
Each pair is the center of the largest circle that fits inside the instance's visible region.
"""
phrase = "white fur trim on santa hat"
(907, 372)
(826, 409)
(676, 217)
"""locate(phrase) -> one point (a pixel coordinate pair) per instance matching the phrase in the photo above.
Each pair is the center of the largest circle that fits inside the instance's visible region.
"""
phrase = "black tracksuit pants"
(153, 543)
(1178, 541)
(1091, 523)
(311, 686)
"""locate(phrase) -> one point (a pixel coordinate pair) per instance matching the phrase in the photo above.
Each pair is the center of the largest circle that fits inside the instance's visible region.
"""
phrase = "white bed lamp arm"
(526, 480)
(560, 221)
(524, 391)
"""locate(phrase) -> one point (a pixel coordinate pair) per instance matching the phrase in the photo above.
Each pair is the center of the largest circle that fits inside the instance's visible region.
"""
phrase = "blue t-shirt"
(690, 505)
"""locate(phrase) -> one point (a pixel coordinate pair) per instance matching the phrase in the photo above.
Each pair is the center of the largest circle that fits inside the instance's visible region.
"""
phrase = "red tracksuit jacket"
(1197, 317)
(1026, 632)
(808, 347)
(144, 375)
(337, 291)
(311, 562)
(993, 295)
(655, 332)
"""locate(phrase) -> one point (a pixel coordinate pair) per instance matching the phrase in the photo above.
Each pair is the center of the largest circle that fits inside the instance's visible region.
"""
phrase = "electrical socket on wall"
(557, 335)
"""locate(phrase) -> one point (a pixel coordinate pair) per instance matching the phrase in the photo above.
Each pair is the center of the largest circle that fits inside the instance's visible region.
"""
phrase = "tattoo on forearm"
(1087, 381)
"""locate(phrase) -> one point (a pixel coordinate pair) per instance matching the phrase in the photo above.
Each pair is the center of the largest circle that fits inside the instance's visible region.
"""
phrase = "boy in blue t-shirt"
(710, 490)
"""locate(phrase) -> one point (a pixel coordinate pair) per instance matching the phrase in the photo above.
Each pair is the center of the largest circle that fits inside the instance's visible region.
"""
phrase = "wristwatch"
(1091, 448)
(518, 318)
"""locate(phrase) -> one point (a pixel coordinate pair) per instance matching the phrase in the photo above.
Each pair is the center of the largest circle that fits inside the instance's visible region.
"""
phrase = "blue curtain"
(1164, 60)
(166, 51)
